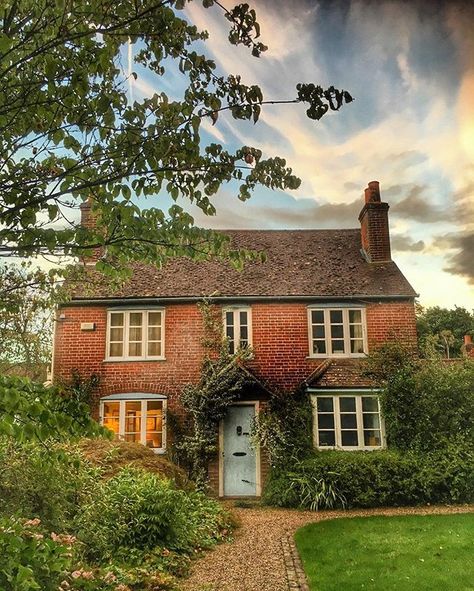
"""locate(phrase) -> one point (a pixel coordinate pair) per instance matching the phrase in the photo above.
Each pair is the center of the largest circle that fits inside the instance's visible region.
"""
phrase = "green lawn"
(412, 553)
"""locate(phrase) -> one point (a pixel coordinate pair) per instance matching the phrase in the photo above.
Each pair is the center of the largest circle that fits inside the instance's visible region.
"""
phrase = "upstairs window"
(347, 422)
(136, 420)
(135, 334)
(337, 331)
(238, 328)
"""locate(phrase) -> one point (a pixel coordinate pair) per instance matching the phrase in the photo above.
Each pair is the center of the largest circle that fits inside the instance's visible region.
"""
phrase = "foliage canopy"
(70, 133)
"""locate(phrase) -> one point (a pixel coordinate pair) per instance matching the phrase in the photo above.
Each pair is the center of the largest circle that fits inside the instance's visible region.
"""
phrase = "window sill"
(353, 356)
(332, 448)
(133, 359)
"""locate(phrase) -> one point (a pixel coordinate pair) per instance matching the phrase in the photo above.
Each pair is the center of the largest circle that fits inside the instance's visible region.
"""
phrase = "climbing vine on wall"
(222, 381)
(284, 427)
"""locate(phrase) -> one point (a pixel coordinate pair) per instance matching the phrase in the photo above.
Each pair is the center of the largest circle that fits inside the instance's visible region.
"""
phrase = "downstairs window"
(139, 418)
(347, 421)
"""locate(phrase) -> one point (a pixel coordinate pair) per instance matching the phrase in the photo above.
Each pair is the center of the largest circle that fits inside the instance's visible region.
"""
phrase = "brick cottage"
(311, 312)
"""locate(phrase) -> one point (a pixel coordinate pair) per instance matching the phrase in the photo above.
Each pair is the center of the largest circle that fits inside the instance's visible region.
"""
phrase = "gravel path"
(254, 561)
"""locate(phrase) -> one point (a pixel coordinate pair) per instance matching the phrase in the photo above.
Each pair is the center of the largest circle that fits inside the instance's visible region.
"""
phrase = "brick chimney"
(468, 347)
(88, 221)
(375, 233)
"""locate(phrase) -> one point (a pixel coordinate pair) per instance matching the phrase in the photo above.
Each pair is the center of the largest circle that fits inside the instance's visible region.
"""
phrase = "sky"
(410, 68)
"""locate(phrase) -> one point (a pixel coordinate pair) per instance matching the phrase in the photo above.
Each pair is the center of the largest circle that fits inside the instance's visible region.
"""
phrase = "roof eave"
(156, 300)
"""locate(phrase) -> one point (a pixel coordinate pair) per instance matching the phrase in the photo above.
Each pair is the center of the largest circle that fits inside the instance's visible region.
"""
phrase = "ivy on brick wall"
(221, 382)
(284, 428)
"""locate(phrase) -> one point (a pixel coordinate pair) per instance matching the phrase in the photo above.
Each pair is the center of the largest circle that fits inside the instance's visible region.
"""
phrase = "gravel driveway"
(254, 561)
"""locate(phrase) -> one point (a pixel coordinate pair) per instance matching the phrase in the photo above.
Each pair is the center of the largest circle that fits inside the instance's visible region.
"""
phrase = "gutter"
(235, 299)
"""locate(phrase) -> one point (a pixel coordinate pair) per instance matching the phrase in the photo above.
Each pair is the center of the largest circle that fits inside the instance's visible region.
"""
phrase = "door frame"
(258, 488)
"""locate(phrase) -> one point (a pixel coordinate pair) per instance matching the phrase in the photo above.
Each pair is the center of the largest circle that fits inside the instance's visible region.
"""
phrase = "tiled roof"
(340, 373)
(320, 263)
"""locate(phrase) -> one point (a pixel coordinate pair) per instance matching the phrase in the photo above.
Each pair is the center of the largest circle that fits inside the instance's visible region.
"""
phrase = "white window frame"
(144, 356)
(236, 311)
(144, 401)
(346, 331)
(336, 396)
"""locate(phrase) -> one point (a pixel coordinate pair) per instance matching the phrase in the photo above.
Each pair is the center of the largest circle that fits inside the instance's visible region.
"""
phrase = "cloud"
(403, 243)
(462, 261)
(417, 206)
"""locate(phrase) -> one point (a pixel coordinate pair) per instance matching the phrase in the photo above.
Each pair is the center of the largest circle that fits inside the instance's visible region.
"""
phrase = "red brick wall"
(280, 342)
(394, 321)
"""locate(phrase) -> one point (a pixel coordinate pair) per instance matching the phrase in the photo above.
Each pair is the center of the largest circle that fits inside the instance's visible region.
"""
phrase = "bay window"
(135, 334)
(337, 332)
(347, 421)
(136, 418)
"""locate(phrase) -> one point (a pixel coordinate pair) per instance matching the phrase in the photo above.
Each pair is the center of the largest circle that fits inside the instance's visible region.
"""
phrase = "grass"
(406, 553)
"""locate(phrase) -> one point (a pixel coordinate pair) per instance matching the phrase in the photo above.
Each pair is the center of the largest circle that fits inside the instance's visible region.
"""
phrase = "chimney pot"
(374, 192)
(467, 339)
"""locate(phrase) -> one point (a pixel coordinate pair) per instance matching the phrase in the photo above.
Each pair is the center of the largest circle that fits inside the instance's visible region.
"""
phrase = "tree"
(69, 132)
(443, 329)
(28, 300)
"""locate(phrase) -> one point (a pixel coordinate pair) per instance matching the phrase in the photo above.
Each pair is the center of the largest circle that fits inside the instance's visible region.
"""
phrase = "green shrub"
(28, 559)
(136, 510)
(45, 483)
(375, 479)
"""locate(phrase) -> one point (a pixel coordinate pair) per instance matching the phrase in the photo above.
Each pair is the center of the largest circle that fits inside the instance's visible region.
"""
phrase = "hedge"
(374, 479)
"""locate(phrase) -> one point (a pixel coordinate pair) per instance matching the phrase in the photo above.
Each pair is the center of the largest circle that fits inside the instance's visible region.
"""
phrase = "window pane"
(116, 349)
(116, 319)
(372, 438)
(135, 334)
(154, 333)
(154, 440)
(318, 332)
(371, 421)
(244, 333)
(337, 346)
(243, 318)
(336, 316)
(229, 318)
(132, 424)
(347, 403)
(319, 347)
(349, 438)
(355, 316)
(111, 416)
(326, 421)
(135, 318)
(154, 318)
(133, 414)
(356, 331)
(135, 349)
(370, 404)
(357, 346)
(132, 437)
(326, 438)
(317, 317)
(154, 349)
(325, 404)
(348, 421)
(337, 331)
(116, 334)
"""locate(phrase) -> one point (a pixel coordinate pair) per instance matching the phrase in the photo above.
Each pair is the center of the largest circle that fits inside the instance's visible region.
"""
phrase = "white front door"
(239, 457)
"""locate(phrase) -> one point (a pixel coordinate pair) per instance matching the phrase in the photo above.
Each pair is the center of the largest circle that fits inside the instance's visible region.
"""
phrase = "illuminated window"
(135, 334)
(347, 421)
(136, 419)
(337, 332)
